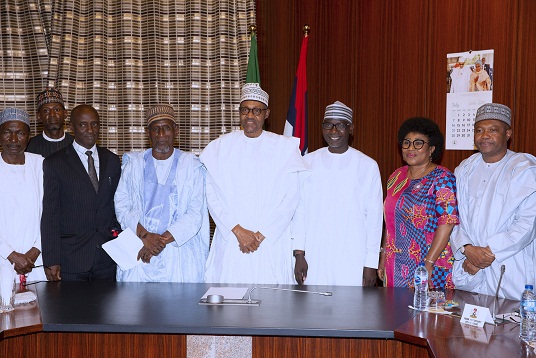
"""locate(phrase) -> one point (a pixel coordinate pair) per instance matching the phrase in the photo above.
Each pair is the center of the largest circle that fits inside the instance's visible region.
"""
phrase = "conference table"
(109, 319)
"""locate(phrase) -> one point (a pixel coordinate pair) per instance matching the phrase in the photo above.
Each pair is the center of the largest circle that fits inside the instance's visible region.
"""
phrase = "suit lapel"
(103, 165)
(74, 160)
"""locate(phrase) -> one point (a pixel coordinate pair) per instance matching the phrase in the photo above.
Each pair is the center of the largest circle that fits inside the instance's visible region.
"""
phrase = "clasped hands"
(477, 258)
(248, 241)
(153, 244)
(24, 263)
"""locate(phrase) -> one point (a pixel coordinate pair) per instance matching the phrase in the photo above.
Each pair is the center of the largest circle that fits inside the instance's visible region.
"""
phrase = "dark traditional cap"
(14, 114)
(254, 92)
(496, 111)
(158, 112)
(49, 95)
(338, 110)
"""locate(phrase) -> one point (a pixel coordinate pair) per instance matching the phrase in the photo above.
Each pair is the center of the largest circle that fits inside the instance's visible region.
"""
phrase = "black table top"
(110, 307)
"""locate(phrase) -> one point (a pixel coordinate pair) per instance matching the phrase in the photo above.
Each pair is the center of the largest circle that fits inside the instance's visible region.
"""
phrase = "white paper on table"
(231, 293)
(476, 315)
(24, 297)
(124, 249)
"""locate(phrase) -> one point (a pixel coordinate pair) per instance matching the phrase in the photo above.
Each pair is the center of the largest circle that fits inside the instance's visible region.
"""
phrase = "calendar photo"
(469, 85)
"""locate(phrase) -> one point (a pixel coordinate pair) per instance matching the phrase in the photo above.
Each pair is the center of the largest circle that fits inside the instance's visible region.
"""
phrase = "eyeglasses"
(417, 143)
(256, 111)
(329, 126)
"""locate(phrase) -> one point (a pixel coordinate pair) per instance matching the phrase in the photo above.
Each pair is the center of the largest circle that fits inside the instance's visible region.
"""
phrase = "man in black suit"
(78, 204)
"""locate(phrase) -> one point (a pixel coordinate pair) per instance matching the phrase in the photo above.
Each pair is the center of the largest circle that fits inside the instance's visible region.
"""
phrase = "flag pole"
(253, 73)
(296, 123)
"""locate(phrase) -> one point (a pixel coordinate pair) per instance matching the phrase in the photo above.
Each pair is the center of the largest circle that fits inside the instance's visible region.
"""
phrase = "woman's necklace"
(419, 176)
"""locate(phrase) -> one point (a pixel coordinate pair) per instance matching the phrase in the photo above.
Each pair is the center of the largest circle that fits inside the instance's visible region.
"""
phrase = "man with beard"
(497, 207)
(21, 190)
(78, 204)
(338, 245)
(51, 112)
(161, 197)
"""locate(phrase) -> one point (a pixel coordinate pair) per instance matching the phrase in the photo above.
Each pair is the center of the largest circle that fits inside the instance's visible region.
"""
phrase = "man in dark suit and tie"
(78, 204)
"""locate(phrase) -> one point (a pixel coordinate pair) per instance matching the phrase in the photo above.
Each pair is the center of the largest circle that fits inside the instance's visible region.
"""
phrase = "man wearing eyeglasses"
(497, 206)
(338, 225)
(252, 193)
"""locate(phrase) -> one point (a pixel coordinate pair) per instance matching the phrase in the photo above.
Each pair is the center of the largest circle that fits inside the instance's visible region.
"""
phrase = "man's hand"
(145, 255)
(300, 267)
(33, 254)
(154, 243)
(478, 256)
(23, 263)
(369, 276)
(53, 273)
(381, 268)
(248, 241)
(469, 267)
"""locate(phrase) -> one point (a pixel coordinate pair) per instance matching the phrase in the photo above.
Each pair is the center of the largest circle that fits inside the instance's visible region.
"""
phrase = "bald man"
(78, 204)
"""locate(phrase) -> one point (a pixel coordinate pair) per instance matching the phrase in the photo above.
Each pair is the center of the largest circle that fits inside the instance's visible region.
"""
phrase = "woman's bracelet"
(429, 261)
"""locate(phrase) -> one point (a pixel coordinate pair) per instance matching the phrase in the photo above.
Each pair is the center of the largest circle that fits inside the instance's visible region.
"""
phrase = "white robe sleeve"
(374, 217)
(298, 220)
(128, 214)
(523, 229)
(219, 212)
(278, 219)
(190, 223)
(459, 236)
(5, 248)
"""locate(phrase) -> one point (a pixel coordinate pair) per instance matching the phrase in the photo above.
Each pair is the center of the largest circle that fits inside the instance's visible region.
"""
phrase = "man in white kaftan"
(161, 197)
(497, 206)
(337, 228)
(460, 77)
(252, 194)
(21, 190)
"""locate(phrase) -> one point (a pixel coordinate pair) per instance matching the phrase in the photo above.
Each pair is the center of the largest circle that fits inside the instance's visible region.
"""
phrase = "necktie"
(91, 170)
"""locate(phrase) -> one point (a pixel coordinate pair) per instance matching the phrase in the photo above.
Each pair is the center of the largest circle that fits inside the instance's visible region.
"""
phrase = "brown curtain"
(123, 56)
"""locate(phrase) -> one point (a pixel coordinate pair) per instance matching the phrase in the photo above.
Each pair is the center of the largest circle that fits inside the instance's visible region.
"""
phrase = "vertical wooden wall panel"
(476, 25)
(387, 60)
(524, 80)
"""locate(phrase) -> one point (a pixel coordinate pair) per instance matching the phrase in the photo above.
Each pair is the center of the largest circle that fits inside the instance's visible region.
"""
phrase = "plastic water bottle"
(420, 299)
(527, 309)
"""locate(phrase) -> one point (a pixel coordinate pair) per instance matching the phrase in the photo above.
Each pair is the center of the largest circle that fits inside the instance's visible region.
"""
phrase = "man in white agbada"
(21, 190)
(252, 194)
(161, 197)
(337, 228)
(497, 206)
(460, 77)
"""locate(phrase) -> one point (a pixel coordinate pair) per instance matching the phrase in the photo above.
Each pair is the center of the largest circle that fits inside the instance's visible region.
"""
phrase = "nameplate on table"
(476, 315)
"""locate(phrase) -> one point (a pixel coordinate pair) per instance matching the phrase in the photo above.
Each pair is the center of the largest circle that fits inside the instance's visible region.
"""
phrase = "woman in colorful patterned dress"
(420, 210)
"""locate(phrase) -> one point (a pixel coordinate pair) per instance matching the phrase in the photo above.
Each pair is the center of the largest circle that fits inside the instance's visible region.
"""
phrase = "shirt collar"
(48, 139)
(83, 150)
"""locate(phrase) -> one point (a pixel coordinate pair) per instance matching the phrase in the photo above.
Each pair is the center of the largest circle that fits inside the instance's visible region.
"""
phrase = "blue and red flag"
(296, 124)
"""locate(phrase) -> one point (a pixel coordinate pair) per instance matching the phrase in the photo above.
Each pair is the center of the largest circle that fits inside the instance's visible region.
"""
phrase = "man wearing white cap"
(460, 77)
(161, 197)
(252, 194)
(337, 228)
(21, 190)
(497, 207)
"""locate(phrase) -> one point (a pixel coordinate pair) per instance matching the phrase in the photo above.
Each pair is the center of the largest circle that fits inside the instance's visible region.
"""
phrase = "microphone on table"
(503, 268)
(327, 293)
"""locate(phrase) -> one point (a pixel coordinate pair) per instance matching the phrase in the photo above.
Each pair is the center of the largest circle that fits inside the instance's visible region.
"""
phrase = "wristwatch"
(462, 249)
